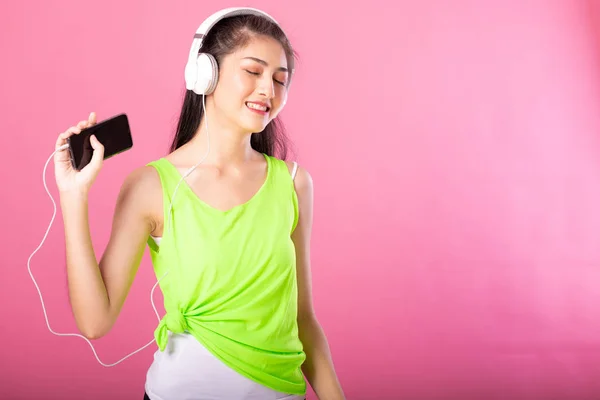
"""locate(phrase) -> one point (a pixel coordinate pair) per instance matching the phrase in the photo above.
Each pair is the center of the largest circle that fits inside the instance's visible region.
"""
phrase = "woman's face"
(252, 86)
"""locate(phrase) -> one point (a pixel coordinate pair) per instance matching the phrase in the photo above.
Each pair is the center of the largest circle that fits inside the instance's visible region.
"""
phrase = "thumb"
(98, 155)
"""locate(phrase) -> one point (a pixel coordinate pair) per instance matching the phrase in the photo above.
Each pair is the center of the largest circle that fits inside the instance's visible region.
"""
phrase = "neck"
(226, 145)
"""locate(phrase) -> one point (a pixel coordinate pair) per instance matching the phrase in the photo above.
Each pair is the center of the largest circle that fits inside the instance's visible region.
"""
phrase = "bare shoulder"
(303, 181)
(141, 193)
(142, 183)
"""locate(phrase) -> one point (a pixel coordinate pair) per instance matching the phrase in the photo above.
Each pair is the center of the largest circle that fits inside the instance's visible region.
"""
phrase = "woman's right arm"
(98, 289)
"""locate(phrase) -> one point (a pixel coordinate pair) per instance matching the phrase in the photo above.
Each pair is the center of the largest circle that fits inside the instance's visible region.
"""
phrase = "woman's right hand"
(68, 179)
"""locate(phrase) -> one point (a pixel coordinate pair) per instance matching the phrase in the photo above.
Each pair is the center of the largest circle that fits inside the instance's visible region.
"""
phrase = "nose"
(266, 88)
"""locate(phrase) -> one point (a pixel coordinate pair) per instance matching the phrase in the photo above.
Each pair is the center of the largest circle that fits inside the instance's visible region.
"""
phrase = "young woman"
(228, 225)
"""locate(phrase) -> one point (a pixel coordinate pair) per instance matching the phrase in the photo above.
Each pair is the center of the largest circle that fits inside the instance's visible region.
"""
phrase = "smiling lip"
(261, 112)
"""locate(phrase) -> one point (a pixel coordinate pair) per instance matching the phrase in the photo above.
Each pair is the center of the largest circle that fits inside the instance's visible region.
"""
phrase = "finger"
(64, 154)
(98, 155)
(92, 118)
(60, 141)
(74, 130)
(82, 124)
(62, 138)
(70, 132)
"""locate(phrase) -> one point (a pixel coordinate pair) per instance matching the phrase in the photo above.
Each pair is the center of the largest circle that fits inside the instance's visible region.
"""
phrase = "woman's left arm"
(318, 366)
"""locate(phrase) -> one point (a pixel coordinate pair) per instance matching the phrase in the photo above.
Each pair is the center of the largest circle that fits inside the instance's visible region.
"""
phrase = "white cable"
(38, 288)
(62, 148)
(189, 171)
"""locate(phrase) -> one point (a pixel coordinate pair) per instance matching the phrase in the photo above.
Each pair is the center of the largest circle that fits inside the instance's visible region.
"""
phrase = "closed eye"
(256, 73)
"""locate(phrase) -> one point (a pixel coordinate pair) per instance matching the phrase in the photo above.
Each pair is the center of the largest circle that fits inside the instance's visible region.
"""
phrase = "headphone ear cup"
(207, 74)
(191, 72)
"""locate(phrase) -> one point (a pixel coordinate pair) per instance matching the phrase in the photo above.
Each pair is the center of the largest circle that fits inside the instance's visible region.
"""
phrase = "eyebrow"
(266, 64)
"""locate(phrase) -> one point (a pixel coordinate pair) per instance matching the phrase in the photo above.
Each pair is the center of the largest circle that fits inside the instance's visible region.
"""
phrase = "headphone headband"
(209, 22)
(201, 70)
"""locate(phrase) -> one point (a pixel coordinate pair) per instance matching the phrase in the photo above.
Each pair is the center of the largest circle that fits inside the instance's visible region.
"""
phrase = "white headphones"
(201, 70)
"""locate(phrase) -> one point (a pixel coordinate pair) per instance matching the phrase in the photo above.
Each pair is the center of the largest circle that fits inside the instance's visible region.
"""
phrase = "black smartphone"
(114, 134)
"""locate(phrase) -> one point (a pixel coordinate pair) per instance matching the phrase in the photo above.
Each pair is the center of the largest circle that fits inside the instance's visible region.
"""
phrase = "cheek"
(233, 85)
(243, 84)
(280, 101)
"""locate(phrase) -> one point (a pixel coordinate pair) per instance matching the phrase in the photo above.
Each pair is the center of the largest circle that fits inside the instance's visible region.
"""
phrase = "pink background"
(455, 150)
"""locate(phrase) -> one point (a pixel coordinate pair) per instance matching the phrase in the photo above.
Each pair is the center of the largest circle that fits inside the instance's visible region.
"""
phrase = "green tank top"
(231, 278)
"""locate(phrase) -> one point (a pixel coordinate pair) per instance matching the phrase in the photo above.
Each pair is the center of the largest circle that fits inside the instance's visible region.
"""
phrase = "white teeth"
(256, 106)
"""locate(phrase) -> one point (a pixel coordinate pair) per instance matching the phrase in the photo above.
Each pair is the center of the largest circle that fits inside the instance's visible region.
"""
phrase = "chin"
(254, 126)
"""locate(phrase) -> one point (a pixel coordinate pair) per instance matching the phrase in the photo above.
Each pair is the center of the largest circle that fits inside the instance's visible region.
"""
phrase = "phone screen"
(113, 133)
